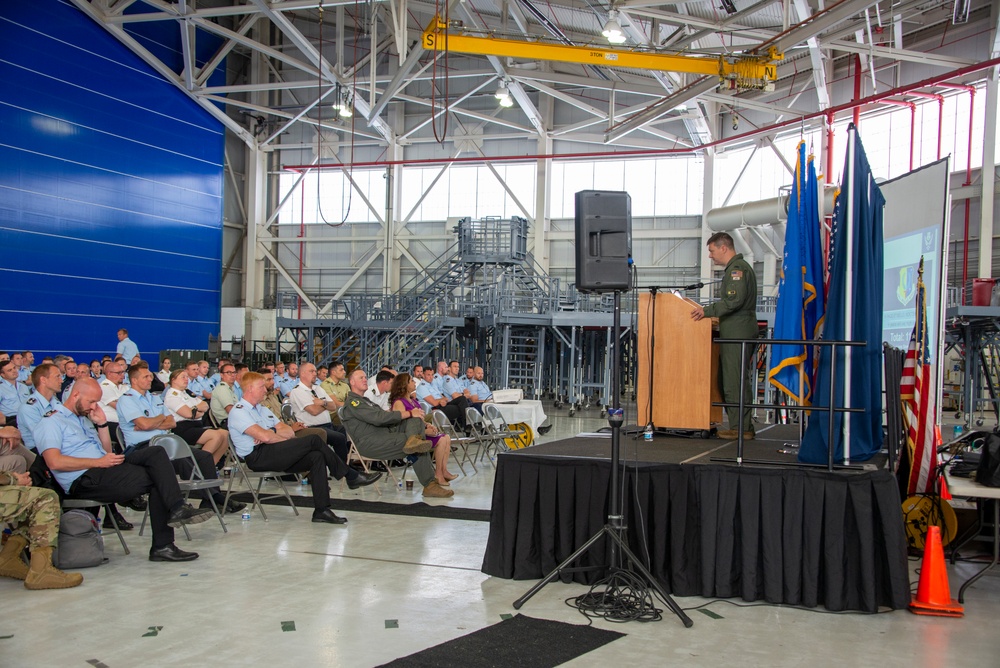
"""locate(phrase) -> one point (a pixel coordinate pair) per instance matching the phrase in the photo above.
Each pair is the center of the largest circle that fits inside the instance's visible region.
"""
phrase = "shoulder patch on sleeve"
(737, 275)
(238, 406)
(32, 401)
(51, 412)
(355, 403)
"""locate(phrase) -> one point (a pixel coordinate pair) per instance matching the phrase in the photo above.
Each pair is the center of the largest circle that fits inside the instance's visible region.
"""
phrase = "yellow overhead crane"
(743, 72)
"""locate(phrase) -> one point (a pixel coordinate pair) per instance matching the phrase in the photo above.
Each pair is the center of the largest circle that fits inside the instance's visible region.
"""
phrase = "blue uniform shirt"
(428, 390)
(242, 417)
(438, 383)
(24, 374)
(132, 405)
(71, 434)
(450, 386)
(127, 349)
(12, 395)
(30, 415)
(480, 389)
(286, 384)
(214, 380)
(197, 385)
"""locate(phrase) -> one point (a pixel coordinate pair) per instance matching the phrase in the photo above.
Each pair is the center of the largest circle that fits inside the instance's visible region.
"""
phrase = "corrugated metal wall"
(110, 193)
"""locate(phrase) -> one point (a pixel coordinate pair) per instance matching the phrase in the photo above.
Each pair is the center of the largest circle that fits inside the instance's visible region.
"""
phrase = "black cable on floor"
(620, 597)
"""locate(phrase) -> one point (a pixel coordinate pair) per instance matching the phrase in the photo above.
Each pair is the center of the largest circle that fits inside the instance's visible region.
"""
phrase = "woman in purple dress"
(403, 400)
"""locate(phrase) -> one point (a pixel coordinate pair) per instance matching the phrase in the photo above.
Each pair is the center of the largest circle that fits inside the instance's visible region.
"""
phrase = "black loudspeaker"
(603, 240)
(471, 329)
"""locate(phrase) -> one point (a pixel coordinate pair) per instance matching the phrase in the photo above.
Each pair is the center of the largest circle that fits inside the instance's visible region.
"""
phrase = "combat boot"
(43, 575)
(11, 563)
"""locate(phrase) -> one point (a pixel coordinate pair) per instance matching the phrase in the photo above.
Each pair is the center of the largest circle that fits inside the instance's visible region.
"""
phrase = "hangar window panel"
(520, 178)
(640, 177)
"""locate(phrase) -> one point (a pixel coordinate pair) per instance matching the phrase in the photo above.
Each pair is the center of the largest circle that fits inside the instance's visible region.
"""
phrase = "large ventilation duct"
(772, 211)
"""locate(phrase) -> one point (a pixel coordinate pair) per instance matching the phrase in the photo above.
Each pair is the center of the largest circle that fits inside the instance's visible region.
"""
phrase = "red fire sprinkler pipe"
(940, 101)
(971, 90)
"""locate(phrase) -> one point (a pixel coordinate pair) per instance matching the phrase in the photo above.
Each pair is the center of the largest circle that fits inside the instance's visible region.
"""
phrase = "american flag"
(917, 390)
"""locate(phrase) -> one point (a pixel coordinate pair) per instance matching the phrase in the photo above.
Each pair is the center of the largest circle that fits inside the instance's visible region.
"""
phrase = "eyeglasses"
(228, 373)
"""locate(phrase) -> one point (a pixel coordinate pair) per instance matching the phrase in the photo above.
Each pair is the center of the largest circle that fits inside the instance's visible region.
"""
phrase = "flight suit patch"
(737, 275)
(355, 403)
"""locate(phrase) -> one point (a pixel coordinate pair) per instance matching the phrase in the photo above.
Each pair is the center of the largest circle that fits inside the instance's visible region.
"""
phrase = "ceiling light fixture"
(612, 29)
(503, 95)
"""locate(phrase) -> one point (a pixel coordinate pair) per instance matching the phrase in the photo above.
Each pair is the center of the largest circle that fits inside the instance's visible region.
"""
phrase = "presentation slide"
(915, 225)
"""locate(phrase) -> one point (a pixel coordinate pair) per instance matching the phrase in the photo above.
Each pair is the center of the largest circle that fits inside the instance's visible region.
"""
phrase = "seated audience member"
(95, 369)
(403, 400)
(14, 457)
(224, 395)
(144, 415)
(272, 402)
(382, 434)
(24, 368)
(34, 513)
(429, 393)
(74, 441)
(418, 374)
(112, 388)
(336, 388)
(164, 373)
(13, 392)
(378, 392)
(267, 444)
(67, 376)
(241, 370)
(188, 412)
(206, 384)
(280, 377)
(322, 373)
(60, 361)
(311, 406)
(216, 377)
(289, 380)
(194, 378)
(374, 379)
(448, 386)
(478, 391)
(470, 375)
(45, 379)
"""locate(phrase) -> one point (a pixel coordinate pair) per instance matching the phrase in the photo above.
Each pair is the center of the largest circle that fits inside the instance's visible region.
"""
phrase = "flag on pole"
(917, 393)
(799, 313)
(853, 312)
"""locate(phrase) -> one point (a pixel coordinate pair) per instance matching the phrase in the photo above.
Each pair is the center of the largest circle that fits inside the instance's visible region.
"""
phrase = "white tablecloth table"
(965, 487)
(526, 410)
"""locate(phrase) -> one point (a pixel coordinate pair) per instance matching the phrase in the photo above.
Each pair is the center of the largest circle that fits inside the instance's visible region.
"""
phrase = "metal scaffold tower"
(486, 302)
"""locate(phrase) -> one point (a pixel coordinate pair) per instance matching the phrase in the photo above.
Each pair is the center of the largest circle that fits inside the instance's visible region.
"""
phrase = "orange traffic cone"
(933, 594)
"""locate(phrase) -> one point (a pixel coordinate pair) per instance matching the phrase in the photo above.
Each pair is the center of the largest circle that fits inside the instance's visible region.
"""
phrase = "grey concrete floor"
(341, 586)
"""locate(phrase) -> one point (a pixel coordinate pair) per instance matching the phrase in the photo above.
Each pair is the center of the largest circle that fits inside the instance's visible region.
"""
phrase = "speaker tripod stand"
(614, 529)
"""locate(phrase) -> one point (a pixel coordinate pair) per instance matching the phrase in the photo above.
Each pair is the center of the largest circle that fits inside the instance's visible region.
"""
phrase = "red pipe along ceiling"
(605, 155)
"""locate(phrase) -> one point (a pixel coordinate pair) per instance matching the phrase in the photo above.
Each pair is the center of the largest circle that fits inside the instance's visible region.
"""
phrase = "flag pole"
(849, 292)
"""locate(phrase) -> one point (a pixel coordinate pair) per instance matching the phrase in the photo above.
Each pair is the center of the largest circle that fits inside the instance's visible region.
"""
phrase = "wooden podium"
(685, 365)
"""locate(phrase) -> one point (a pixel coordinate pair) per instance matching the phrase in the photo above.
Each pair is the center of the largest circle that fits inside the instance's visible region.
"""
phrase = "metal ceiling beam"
(287, 28)
(662, 107)
(168, 13)
(220, 55)
(164, 71)
(816, 59)
(399, 80)
(819, 22)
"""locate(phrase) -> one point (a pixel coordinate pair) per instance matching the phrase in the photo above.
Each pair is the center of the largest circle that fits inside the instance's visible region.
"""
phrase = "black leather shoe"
(234, 506)
(187, 514)
(364, 479)
(329, 517)
(137, 504)
(171, 553)
(123, 524)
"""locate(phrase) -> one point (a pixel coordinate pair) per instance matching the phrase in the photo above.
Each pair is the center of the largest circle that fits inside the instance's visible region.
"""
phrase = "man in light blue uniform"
(266, 443)
(142, 416)
(12, 392)
(126, 347)
(289, 380)
(74, 441)
(195, 384)
(479, 391)
(24, 371)
(47, 380)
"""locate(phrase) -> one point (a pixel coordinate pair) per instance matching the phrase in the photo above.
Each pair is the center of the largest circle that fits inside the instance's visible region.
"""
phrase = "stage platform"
(777, 533)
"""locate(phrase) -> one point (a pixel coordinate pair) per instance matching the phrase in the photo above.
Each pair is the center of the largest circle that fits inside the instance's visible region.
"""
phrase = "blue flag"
(799, 312)
(865, 289)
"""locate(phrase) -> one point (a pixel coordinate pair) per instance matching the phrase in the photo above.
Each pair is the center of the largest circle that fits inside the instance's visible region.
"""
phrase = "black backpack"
(988, 473)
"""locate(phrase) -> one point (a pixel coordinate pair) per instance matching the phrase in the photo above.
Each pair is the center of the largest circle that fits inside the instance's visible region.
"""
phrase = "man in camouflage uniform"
(737, 314)
(34, 512)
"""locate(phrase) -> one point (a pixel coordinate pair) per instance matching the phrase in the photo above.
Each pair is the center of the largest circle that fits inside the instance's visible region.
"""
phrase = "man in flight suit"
(737, 314)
